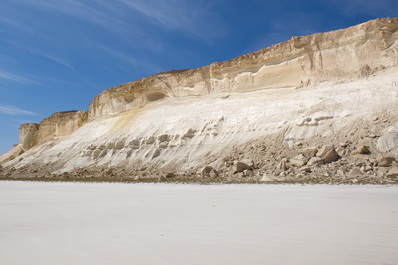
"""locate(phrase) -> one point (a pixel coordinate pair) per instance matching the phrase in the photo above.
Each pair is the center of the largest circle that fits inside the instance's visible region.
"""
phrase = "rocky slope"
(318, 108)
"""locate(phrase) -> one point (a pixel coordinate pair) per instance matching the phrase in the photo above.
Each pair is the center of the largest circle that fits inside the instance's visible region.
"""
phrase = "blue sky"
(56, 55)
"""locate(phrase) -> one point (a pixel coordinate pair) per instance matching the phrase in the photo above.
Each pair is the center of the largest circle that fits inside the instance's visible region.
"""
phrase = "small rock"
(315, 161)
(341, 151)
(298, 161)
(305, 169)
(308, 152)
(386, 161)
(393, 171)
(240, 166)
(327, 154)
(205, 172)
(363, 149)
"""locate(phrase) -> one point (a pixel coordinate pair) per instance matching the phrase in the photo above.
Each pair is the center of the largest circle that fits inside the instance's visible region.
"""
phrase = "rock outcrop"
(318, 106)
(57, 125)
(301, 61)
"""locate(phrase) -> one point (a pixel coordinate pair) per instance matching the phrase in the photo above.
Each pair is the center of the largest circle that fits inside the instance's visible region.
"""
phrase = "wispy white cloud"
(57, 59)
(12, 110)
(193, 18)
(17, 78)
(122, 56)
(97, 13)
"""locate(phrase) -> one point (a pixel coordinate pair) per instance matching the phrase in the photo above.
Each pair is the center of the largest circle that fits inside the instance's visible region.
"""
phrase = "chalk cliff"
(348, 53)
(337, 89)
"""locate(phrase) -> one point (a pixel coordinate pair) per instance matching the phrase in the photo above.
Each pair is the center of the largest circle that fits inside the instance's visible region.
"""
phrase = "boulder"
(298, 161)
(393, 171)
(315, 161)
(308, 152)
(362, 149)
(209, 171)
(327, 154)
(240, 166)
(386, 161)
(341, 151)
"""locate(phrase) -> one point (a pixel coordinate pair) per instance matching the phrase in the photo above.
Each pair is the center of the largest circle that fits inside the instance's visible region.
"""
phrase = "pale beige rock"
(341, 151)
(240, 166)
(393, 171)
(205, 172)
(305, 169)
(386, 161)
(327, 154)
(308, 152)
(57, 125)
(362, 149)
(315, 161)
(298, 161)
(209, 171)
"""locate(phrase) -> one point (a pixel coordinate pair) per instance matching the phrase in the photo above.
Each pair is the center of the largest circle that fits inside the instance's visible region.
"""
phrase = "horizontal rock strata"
(315, 108)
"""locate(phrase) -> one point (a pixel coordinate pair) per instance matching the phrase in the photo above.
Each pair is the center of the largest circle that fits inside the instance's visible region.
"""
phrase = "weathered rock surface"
(393, 171)
(327, 154)
(386, 161)
(298, 161)
(289, 104)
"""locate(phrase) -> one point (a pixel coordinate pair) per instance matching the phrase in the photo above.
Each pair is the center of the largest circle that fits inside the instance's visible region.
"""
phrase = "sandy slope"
(70, 223)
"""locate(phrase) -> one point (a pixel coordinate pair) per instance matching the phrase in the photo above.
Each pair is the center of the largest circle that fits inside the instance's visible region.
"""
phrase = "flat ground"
(115, 224)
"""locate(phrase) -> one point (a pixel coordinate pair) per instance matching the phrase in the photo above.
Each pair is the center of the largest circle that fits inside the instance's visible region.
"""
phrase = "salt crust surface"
(76, 223)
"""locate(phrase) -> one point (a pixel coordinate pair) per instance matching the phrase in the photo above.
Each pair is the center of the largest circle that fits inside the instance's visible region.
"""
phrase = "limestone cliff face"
(339, 87)
(367, 47)
(57, 125)
(28, 135)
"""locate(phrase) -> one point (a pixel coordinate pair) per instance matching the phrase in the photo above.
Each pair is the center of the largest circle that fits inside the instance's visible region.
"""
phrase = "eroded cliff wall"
(341, 54)
(338, 89)
(57, 125)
